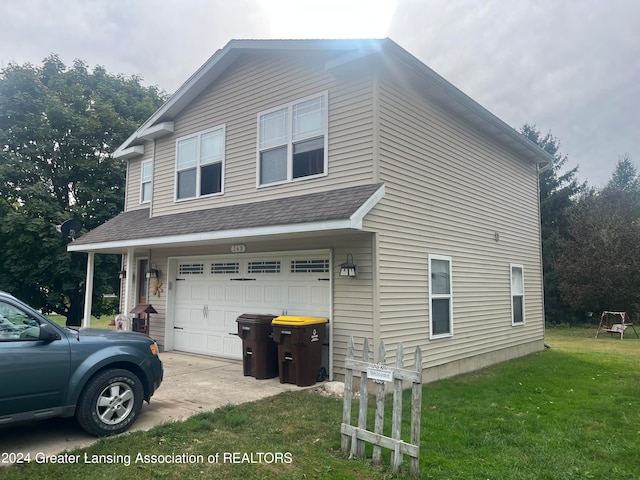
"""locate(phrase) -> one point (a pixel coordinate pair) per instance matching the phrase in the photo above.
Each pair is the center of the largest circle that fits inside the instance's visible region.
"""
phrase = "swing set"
(607, 325)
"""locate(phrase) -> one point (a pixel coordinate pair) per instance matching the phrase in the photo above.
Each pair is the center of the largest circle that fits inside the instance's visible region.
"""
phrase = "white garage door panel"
(211, 293)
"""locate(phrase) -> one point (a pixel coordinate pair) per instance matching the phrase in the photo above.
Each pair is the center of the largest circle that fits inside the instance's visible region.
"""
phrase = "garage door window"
(191, 269)
(310, 266)
(225, 268)
(268, 266)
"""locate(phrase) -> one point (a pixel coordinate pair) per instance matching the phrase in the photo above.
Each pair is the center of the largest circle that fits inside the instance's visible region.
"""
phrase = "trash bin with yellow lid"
(299, 342)
(259, 351)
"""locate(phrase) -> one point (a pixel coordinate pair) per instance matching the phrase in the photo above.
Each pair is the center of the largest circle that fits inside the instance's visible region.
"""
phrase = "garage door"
(210, 294)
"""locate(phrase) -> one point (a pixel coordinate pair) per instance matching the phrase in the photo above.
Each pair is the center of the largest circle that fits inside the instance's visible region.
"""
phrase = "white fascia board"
(167, 241)
(156, 131)
(130, 152)
(358, 216)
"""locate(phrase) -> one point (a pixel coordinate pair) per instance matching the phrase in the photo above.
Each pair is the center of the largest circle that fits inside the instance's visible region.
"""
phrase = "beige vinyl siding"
(255, 84)
(134, 170)
(449, 190)
(352, 298)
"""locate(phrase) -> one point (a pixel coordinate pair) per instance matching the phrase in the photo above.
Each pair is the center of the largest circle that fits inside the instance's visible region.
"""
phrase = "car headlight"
(154, 348)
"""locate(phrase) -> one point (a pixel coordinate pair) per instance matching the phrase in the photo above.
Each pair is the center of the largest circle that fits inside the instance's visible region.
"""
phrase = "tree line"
(590, 238)
(59, 126)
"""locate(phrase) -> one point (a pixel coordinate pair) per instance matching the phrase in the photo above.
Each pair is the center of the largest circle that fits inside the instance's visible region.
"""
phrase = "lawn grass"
(102, 322)
(570, 412)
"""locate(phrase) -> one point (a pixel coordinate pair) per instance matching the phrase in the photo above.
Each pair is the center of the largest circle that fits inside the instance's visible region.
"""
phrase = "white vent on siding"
(225, 268)
(310, 266)
(191, 269)
(268, 266)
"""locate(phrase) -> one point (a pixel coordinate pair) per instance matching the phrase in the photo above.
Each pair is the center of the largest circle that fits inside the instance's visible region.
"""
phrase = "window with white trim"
(146, 177)
(440, 297)
(517, 294)
(292, 141)
(200, 164)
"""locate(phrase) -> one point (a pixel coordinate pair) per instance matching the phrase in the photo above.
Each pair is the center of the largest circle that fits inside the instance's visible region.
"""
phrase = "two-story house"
(280, 160)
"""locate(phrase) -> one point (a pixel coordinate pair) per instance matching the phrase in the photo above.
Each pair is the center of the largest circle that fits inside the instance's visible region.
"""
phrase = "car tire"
(110, 402)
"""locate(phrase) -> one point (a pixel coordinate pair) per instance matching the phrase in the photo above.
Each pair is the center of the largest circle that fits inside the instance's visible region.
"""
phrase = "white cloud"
(329, 18)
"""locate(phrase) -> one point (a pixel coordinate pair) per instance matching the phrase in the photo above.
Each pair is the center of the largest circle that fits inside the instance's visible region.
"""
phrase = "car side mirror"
(47, 334)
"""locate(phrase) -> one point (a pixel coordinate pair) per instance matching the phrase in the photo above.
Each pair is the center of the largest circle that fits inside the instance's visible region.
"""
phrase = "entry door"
(142, 286)
(139, 324)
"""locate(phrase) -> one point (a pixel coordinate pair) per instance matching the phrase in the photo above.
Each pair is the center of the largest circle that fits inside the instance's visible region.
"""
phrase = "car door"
(34, 374)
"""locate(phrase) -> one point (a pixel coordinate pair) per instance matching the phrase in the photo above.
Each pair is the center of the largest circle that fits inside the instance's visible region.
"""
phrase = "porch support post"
(88, 291)
(128, 282)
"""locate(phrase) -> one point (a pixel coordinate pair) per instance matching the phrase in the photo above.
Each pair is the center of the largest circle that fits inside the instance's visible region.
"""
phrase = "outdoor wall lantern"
(153, 271)
(122, 274)
(348, 269)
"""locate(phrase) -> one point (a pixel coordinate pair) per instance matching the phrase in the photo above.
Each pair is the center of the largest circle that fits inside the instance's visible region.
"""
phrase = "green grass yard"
(571, 412)
(102, 322)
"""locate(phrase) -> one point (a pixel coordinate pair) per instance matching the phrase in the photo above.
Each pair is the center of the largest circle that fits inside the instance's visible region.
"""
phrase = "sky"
(570, 67)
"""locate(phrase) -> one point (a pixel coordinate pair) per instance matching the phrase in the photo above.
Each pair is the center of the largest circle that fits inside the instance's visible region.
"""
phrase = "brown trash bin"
(300, 343)
(259, 351)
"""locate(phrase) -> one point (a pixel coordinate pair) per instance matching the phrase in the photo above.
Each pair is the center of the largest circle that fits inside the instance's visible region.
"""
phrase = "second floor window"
(292, 141)
(200, 164)
(146, 177)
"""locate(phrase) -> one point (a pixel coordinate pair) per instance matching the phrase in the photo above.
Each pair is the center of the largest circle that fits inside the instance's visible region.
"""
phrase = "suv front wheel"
(110, 402)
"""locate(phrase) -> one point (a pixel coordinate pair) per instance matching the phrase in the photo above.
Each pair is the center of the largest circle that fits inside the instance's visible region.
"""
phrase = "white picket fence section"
(380, 374)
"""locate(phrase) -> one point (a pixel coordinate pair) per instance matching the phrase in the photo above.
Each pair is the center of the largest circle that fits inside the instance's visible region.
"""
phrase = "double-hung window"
(146, 177)
(292, 141)
(200, 164)
(440, 297)
(517, 294)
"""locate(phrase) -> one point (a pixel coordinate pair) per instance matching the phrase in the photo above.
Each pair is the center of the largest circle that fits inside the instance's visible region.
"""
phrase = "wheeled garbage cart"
(300, 343)
(259, 351)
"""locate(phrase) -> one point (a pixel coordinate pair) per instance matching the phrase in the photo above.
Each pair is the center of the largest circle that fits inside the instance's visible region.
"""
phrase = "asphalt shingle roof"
(338, 204)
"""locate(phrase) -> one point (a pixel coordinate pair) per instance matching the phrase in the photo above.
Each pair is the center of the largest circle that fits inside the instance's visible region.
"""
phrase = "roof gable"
(347, 52)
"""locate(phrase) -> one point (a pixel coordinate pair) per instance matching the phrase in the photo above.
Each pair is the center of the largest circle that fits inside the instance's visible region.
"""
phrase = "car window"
(16, 325)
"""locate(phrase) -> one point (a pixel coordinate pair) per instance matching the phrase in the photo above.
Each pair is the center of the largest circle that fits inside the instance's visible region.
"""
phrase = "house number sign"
(379, 373)
(240, 248)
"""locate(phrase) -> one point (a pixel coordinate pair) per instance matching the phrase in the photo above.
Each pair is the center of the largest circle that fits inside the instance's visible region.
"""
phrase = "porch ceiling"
(332, 211)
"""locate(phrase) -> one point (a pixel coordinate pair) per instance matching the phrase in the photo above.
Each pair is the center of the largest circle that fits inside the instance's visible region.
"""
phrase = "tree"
(600, 264)
(625, 176)
(58, 128)
(558, 191)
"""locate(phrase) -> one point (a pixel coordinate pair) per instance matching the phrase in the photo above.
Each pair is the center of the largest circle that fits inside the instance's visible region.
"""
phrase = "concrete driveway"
(191, 384)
